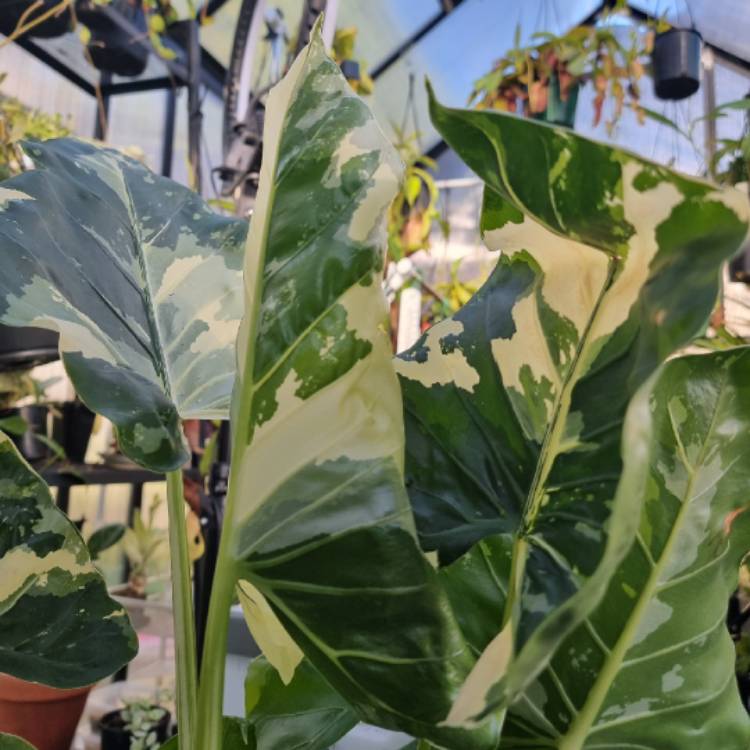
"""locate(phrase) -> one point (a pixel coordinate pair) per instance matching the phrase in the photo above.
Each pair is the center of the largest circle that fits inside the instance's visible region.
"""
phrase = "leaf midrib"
(550, 449)
(160, 361)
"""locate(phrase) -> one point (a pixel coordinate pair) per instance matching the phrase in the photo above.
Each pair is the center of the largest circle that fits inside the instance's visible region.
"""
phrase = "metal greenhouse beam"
(448, 6)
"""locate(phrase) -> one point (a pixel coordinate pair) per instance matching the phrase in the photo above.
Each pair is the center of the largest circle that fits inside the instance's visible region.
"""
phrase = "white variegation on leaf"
(318, 520)
(653, 664)
(141, 279)
(515, 406)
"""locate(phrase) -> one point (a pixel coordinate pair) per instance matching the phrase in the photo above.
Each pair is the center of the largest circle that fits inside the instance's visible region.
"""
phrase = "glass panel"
(217, 37)
(731, 85)
(211, 153)
(35, 85)
(129, 128)
(724, 24)
(384, 25)
(461, 49)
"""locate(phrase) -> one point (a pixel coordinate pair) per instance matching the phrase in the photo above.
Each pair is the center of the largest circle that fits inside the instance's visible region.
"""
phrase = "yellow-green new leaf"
(58, 626)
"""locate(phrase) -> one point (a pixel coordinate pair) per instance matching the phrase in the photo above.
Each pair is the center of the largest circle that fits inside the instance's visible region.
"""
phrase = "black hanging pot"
(676, 62)
(22, 348)
(112, 47)
(11, 12)
(72, 429)
(116, 737)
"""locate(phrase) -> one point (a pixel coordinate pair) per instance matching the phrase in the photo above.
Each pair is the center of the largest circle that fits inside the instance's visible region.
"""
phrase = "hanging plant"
(414, 211)
(354, 70)
(543, 80)
(18, 122)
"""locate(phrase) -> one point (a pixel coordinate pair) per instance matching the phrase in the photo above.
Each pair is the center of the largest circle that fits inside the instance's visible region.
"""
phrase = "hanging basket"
(11, 12)
(559, 112)
(111, 48)
(676, 61)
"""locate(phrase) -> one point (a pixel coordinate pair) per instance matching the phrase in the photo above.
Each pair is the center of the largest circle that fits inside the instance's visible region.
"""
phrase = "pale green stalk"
(211, 691)
(182, 608)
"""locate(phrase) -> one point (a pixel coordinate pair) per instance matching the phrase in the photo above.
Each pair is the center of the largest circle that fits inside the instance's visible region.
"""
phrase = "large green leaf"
(653, 666)
(514, 406)
(58, 626)
(140, 278)
(307, 713)
(320, 523)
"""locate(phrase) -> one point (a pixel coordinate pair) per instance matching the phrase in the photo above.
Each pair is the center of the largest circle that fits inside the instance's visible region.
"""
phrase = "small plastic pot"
(676, 62)
(111, 48)
(11, 12)
(116, 737)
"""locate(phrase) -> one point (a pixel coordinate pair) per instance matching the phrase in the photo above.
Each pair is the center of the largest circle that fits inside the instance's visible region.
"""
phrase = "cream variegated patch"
(490, 665)
(573, 276)
(175, 275)
(574, 273)
(440, 368)
(21, 564)
(368, 213)
(645, 210)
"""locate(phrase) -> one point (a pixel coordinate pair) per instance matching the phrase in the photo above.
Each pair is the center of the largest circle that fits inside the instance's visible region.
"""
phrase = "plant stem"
(213, 663)
(182, 607)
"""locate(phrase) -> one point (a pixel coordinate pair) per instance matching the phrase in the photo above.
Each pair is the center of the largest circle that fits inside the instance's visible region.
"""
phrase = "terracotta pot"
(43, 716)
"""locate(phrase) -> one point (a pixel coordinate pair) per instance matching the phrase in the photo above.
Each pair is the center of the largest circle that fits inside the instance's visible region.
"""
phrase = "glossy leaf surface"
(140, 278)
(653, 666)
(515, 405)
(58, 625)
(322, 527)
(307, 713)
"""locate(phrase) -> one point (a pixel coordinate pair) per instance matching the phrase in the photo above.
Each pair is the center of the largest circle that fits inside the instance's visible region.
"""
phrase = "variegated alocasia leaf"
(58, 626)
(514, 406)
(142, 281)
(653, 665)
(319, 521)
